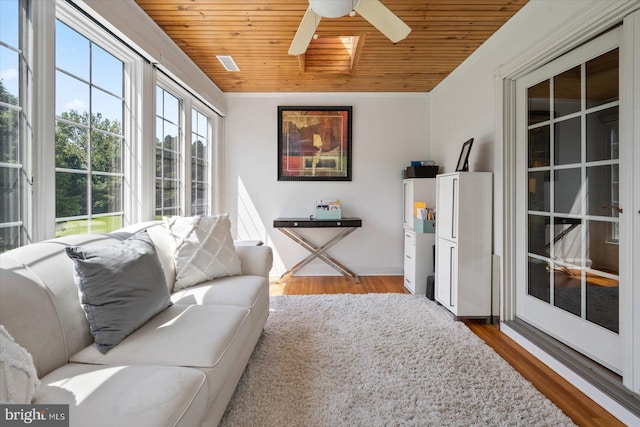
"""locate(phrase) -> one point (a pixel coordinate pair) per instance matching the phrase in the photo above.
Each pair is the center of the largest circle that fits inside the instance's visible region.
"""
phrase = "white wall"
(464, 105)
(389, 130)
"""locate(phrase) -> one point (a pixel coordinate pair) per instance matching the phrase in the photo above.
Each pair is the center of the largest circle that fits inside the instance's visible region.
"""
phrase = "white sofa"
(179, 369)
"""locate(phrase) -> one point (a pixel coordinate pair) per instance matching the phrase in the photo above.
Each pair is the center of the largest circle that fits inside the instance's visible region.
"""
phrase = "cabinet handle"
(408, 256)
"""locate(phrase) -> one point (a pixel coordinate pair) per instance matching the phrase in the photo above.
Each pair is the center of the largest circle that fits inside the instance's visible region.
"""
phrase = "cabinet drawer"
(409, 245)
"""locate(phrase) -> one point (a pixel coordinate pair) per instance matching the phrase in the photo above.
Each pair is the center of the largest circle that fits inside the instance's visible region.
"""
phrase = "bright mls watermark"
(34, 415)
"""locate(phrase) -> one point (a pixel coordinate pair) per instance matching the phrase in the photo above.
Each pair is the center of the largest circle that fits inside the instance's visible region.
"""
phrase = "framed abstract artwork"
(314, 143)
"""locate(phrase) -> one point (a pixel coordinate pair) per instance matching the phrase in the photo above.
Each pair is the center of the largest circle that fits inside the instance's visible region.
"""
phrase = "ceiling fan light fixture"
(333, 8)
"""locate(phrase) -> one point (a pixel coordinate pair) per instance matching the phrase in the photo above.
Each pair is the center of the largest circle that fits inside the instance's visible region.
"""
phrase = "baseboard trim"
(602, 386)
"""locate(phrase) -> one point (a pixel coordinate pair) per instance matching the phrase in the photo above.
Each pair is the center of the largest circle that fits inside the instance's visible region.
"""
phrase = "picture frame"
(314, 143)
(463, 160)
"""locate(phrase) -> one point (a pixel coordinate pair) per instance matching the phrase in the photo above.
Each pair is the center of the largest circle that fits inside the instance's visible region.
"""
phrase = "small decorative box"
(424, 225)
(328, 209)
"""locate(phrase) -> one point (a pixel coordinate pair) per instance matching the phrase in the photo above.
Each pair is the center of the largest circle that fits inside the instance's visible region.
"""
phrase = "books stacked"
(424, 220)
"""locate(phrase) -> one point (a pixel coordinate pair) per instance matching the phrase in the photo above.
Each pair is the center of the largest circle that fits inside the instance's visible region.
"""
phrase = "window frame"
(82, 24)
(22, 147)
(187, 104)
(89, 171)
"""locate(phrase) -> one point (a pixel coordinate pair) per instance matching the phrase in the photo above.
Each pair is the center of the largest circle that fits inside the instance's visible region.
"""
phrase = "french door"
(568, 199)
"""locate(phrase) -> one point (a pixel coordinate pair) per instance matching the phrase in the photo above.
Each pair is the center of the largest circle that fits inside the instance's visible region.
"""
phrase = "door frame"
(597, 19)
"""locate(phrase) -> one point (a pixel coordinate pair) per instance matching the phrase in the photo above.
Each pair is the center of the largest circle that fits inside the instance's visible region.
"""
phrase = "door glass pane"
(602, 289)
(566, 92)
(539, 235)
(567, 142)
(602, 79)
(568, 185)
(567, 240)
(539, 147)
(602, 135)
(538, 102)
(539, 191)
(539, 279)
(602, 195)
(567, 292)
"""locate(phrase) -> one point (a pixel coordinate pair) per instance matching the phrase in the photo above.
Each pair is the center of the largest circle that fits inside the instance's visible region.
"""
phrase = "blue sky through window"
(79, 62)
(9, 18)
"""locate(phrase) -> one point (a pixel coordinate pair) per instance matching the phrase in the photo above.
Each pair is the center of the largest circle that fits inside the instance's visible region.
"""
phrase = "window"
(11, 144)
(199, 163)
(76, 143)
(89, 135)
(168, 154)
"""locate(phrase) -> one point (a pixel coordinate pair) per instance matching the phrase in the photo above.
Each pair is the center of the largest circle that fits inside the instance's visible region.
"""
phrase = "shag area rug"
(379, 360)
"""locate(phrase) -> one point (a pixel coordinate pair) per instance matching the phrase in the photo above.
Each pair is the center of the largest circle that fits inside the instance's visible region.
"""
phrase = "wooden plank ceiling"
(257, 34)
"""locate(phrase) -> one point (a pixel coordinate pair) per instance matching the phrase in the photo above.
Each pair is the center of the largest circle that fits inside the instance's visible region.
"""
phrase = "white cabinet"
(418, 260)
(418, 247)
(463, 243)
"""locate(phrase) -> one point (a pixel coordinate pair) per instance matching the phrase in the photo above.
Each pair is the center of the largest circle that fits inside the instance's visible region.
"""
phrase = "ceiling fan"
(372, 10)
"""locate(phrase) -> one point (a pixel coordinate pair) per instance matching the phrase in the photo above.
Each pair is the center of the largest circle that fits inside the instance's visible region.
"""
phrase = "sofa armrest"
(256, 260)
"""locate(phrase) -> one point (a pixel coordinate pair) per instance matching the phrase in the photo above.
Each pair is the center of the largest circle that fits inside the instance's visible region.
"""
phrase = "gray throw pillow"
(121, 287)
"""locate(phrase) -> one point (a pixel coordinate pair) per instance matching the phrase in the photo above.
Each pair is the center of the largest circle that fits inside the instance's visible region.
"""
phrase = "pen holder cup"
(424, 225)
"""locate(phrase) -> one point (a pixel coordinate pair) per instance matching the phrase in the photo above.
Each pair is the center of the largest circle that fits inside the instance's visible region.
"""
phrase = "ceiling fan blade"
(305, 32)
(383, 19)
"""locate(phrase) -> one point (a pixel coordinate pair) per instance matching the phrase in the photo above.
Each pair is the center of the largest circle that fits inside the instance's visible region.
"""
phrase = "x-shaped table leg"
(319, 252)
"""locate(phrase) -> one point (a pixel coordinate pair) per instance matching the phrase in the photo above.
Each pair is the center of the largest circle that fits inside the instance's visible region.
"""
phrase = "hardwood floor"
(582, 410)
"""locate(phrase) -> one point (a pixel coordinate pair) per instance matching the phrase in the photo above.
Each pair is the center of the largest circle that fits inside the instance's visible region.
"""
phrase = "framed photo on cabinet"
(314, 143)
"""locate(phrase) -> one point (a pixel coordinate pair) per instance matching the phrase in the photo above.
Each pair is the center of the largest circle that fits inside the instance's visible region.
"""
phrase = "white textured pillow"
(204, 249)
(18, 377)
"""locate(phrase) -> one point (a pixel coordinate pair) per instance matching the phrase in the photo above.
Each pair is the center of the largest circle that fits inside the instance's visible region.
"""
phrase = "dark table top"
(316, 223)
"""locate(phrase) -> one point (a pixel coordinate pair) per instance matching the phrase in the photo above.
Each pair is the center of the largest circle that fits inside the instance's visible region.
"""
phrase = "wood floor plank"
(582, 410)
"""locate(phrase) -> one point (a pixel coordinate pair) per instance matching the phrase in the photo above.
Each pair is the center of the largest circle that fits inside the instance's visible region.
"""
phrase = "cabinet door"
(447, 207)
(407, 197)
(446, 273)
(410, 261)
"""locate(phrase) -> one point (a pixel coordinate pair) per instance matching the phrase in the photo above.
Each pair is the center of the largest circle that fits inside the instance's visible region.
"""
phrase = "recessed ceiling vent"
(228, 63)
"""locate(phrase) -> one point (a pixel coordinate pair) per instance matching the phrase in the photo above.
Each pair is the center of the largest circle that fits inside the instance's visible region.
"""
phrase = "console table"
(289, 226)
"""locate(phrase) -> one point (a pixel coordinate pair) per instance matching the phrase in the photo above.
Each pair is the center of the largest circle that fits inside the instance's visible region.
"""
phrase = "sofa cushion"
(19, 380)
(121, 287)
(163, 340)
(207, 337)
(242, 291)
(123, 396)
(203, 249)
